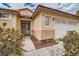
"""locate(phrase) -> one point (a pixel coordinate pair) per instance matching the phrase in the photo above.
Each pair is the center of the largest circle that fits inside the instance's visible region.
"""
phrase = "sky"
(66, 7)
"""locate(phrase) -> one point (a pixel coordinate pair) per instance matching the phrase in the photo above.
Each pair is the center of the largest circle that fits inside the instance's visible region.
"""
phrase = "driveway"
(28, 44)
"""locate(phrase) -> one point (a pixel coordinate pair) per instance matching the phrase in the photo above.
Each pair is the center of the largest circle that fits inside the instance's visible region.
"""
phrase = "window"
(0, 15)
(47, 18)
(52, 19)
(58, 21)
(4, 16)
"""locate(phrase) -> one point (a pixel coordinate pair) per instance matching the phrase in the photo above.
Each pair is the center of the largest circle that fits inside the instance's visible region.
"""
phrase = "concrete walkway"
(28, 44)
(55, 50)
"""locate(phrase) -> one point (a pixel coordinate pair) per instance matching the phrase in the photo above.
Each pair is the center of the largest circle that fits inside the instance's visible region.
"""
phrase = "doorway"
(25, 27)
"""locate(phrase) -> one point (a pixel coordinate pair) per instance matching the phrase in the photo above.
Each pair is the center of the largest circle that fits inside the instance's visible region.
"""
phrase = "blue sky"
(66, 7)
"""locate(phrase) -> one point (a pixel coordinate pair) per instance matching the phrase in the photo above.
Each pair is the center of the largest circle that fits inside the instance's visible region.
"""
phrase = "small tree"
(11, 42)
(71, 43)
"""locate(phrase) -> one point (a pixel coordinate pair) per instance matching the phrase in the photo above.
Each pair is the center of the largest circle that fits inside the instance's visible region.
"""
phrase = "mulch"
(42, 43)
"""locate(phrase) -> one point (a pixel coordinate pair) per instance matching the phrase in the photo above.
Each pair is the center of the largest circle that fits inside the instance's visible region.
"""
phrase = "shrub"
(71, 43)
(11, 42)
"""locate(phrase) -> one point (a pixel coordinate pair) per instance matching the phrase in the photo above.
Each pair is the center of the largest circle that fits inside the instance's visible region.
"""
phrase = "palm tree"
(7, 5)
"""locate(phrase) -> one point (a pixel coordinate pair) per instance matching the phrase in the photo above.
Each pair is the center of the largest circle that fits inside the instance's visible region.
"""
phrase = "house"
(44, 23)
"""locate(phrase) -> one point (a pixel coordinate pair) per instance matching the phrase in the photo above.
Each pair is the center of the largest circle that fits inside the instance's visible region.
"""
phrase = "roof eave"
(42, 7)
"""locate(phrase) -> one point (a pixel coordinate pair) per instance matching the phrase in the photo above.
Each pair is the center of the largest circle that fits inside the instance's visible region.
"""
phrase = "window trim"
(5, 18)
(46, 20)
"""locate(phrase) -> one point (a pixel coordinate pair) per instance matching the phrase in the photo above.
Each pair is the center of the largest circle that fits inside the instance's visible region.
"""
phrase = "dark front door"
(25, 28)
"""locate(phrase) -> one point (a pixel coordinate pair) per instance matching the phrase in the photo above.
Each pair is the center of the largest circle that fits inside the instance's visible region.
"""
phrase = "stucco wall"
(36, 27)
(11, 23)
(47, 32)
(18, 23)
(40, 31)
(61, 25)
(55, 29)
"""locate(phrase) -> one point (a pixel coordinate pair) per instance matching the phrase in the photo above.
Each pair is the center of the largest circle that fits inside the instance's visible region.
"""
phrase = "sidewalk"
(28, 44)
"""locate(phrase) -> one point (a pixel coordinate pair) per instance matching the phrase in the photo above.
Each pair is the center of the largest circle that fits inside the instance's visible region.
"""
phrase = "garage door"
(61, 28)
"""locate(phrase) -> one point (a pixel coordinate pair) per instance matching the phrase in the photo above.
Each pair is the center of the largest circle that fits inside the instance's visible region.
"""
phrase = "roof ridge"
(25, 8)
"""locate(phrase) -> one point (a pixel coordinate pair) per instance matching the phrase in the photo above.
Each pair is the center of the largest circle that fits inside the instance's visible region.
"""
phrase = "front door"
(25, 28)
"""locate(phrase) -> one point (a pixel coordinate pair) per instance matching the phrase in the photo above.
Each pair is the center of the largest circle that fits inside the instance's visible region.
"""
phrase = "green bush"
(71, 43)
(11, 42)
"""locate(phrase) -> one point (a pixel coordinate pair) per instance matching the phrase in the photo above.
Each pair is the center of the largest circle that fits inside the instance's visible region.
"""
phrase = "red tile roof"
(17, 11)
(24, 9)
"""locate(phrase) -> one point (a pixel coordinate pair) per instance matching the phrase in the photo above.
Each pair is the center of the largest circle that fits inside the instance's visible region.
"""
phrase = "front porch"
(26, 29)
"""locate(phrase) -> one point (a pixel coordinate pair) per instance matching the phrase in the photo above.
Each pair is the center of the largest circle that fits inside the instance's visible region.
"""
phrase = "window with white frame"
(4, 16)
(46, 20)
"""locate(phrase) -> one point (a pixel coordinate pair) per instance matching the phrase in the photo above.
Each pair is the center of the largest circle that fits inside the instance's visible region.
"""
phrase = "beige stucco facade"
(12, 22)
(58, 26)
(40, 31)
(59, 22)
(15, 20)
(36, 26)
(54, 30)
